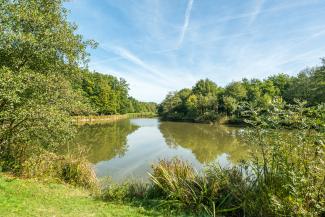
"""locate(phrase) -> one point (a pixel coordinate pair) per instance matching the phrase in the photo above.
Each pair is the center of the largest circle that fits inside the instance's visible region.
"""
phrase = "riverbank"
(27, 197)
(220, 120)
(79, 120)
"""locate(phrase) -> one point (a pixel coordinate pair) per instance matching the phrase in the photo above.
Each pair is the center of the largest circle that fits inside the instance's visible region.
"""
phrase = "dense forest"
(106, 95)
(207, 102)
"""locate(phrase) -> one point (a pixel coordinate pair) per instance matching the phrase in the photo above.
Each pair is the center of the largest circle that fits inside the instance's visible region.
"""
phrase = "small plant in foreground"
(209, 193)
(71, 169)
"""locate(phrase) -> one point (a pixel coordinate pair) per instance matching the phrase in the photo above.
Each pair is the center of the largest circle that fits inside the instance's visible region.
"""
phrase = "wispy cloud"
(257, 10)
(290, 5)
(186, 22)
(151, 70)
(223, 42)
(126, 54)
(133, 58)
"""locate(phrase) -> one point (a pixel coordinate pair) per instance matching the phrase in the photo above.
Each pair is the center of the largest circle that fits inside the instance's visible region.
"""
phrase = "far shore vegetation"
(208, 102)
(45, 86)
(80, 119)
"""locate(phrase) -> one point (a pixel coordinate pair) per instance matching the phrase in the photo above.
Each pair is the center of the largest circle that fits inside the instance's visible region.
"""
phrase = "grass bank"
(110, 118)
(27, 197)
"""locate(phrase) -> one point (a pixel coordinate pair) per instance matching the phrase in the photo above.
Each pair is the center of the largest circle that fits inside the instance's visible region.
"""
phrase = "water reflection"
(127, 148)
(205, 141)
(105, 141)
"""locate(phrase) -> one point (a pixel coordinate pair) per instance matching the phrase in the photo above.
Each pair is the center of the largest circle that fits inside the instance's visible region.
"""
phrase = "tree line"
(107, 95)
(207, 102)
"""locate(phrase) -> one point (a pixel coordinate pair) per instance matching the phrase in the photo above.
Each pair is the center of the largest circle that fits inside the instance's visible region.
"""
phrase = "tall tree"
(38, 49)
(35, 34)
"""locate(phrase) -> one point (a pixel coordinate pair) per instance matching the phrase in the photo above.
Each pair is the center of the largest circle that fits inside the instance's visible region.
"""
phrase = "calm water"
(126, 149)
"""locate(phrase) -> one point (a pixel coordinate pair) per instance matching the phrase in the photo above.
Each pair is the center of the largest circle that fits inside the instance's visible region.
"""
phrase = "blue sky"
(164, 45)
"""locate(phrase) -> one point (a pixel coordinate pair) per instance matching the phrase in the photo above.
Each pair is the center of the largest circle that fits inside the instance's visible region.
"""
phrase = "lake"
(126, 149)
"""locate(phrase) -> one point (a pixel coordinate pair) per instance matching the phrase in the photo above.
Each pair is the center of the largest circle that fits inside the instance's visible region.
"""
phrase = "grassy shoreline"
(28, 197)
(110, 118)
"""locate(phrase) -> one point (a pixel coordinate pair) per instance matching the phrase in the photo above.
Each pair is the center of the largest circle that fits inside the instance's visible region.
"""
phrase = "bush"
(71, 169)
(115, 192)
(127, 191)
(184, 188)
(287, 173)
(33, 115)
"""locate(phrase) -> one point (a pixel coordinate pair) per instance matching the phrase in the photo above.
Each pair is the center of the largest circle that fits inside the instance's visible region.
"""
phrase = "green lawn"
(20, 197)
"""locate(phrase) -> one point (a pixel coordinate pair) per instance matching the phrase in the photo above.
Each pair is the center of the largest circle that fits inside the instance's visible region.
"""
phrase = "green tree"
(236, 90)
(282, 82)
(206, 87)
(230, 104)
(33, 116)
(35, 34)
(38, 52)
(206, 101)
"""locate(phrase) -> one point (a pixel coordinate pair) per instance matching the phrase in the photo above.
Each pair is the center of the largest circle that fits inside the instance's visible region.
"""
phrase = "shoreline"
(87, 119)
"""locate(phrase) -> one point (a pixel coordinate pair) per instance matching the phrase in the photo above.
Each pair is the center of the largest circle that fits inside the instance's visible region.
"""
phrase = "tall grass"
(209, 193)
(71, 169)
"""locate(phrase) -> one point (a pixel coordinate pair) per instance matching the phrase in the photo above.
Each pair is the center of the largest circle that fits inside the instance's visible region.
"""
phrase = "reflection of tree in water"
(105, 141)
(205, 141)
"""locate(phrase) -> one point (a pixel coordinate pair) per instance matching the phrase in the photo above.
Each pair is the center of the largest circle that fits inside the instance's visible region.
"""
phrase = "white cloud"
(158, 48)
(186, 22)
(257, 10)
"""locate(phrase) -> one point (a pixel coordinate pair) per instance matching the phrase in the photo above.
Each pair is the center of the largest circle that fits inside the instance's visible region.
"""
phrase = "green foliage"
(209, 194)
(136, 106)
(107, 95)
(71, 169)
(289, 116)
(127, 191)
(176, 186)
(34, 114)
(206, 102)
(236, 90)
(39, 51)
(199, 104)
(230, 104)
(288, 170)
(308, 85)
(36, 34)
(206, 87)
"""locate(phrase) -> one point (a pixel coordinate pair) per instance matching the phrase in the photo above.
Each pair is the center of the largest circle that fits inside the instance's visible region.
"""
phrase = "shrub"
(33, 115)
(115, 192)
(288, 174)
(288, 170)
(71, 169)
(184, 188)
